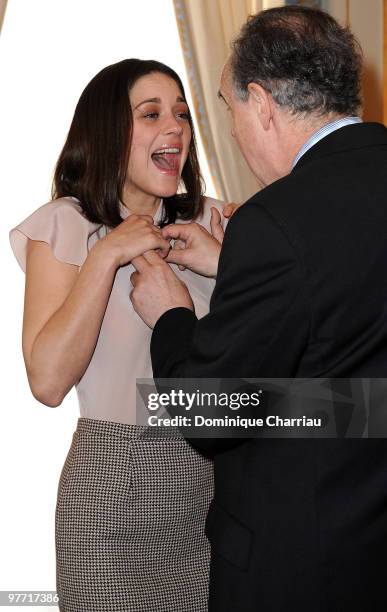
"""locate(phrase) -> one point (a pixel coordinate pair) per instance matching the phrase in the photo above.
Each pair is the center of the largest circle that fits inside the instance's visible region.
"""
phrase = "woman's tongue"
(166, 161)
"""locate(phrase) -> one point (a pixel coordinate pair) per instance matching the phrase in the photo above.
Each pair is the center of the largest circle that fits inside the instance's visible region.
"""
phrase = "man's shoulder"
(289, 204)
(276, 199)
(257, 225)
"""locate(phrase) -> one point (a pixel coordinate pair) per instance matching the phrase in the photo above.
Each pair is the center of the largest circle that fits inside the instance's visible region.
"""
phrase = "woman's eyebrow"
(158, 101)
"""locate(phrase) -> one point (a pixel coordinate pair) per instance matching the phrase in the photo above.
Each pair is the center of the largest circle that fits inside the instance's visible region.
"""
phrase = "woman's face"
(161, 136)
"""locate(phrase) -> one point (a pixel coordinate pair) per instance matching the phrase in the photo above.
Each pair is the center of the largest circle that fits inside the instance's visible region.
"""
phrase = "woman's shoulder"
(69, 207)
(66, 208)
(208, 203)
(61, 224)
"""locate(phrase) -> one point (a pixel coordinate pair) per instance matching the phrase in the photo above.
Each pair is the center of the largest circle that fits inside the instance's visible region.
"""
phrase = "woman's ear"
(261, 101)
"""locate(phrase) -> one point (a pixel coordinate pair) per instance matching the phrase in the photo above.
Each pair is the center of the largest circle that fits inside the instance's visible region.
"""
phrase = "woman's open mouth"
(167, 160)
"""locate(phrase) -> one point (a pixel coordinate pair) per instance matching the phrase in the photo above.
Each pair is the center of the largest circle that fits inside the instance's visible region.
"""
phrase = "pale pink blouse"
(107, 389)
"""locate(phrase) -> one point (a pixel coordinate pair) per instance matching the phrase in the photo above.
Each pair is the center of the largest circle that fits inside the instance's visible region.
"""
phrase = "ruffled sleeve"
(60, 224)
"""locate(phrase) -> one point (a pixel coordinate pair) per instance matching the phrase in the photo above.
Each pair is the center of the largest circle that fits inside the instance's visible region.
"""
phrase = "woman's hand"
(133, 237)
(65, 305)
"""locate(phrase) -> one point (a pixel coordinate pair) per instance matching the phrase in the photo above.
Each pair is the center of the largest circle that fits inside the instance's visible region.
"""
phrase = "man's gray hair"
(303, 57)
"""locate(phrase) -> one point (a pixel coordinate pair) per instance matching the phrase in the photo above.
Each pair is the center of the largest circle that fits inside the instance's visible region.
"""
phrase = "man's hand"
(201, 249)
(156, 288)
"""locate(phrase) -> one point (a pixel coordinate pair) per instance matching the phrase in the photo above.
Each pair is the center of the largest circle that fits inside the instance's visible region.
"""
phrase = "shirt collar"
(124, 212)
(322, 132)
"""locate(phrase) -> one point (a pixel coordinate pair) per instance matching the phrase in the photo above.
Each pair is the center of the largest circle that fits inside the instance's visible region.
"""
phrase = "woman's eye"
(184, 116)
(151, 115)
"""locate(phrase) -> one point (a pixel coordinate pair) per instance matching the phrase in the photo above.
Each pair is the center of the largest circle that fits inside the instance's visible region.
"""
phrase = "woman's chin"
(167, 193)
(166, 190)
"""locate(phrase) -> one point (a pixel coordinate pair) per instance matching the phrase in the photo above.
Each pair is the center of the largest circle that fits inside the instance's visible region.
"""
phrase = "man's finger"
(179, 244)
(181, 231)
(177, 256)
(161, 243)
(216, 227)
(134, 278)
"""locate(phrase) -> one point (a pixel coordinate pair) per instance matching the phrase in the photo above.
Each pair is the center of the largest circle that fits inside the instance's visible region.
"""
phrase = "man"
(301, 292)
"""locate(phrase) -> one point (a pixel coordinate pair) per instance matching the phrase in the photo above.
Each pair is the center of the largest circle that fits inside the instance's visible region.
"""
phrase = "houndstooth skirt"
(130, 521)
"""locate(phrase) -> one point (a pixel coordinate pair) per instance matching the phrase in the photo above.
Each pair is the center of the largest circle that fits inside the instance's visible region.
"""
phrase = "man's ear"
(261, 99)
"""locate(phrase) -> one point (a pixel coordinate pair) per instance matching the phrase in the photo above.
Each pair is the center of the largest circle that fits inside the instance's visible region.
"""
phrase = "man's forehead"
(225, 81)
(225, 77)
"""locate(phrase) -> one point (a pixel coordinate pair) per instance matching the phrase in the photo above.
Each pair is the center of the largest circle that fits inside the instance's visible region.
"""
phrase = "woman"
(130, 513)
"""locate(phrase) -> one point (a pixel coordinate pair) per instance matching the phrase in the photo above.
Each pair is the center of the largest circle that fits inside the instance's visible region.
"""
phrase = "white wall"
(49, 50)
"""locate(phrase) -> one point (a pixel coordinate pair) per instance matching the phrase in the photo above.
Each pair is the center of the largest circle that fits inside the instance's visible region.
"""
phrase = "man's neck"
(304, 129)
(321, 130)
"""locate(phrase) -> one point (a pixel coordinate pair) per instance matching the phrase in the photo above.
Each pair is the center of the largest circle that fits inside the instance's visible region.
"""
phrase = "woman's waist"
(129, 431)
(112, 395)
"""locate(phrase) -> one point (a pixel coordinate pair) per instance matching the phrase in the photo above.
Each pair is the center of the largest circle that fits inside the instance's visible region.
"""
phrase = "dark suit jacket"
(301, 292)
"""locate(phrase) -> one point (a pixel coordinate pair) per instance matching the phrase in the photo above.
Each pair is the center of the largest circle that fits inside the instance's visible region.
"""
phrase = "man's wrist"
(169, 322)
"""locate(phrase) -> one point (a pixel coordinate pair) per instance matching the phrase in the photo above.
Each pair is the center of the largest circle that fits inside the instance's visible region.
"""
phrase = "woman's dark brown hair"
(93, 163)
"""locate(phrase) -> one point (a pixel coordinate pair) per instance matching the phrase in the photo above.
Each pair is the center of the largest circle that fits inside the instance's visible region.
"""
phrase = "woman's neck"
(141, 204)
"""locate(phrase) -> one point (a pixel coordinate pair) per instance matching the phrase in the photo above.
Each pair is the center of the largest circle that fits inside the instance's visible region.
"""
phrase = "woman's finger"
(140, 263)
(229, 209)
(152, 257)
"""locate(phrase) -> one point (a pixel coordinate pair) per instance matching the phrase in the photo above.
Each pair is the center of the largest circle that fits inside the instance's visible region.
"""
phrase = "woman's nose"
(172, 126)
